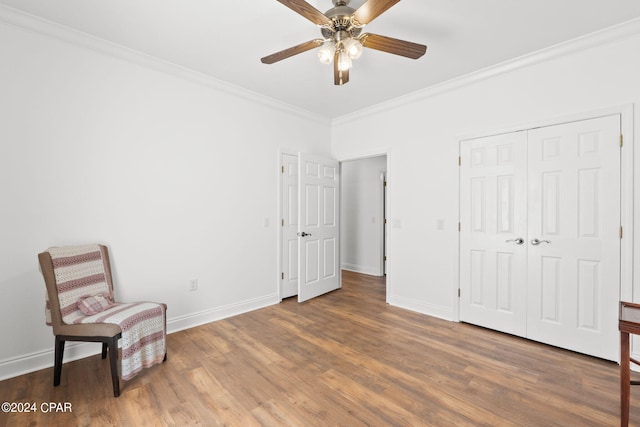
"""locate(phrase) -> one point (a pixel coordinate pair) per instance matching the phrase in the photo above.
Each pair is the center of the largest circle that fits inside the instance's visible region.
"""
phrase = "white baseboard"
(207, 316)
(78, 350)
(372, 271)
(418, 306)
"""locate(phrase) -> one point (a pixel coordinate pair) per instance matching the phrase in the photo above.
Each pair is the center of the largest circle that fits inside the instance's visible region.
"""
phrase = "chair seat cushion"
(94, 304)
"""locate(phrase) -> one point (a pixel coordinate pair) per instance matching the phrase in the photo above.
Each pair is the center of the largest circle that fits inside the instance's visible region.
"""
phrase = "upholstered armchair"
(81, 307)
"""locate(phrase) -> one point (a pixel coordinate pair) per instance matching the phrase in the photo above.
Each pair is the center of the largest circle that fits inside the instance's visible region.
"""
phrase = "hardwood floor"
(346, 358)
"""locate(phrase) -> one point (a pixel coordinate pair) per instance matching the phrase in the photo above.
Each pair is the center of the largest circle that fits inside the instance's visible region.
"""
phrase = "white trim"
(38, 360)
(35, 361)
(207, 316)
(626, 204)
(383, 178)
(607, 35)
(421, 307)
(455, 307)
(32, 23)
(364, 269)
(364, 154)
(624, 109)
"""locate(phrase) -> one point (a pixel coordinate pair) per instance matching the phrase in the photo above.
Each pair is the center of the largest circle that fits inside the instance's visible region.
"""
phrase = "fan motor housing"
(340, 17)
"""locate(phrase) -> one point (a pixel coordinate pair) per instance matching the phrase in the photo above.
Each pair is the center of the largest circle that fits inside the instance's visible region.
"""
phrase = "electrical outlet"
(193, 284)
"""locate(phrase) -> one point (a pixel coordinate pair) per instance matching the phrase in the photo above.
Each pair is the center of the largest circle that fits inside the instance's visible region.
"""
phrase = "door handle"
(536, 242)
(518, 240)
(303, 234)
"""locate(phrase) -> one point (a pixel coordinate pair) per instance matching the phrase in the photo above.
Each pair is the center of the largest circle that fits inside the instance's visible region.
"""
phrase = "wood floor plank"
(345, 359)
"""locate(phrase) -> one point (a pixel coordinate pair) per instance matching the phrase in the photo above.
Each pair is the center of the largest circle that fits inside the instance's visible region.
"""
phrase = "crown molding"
(31, 23)
(602, 37)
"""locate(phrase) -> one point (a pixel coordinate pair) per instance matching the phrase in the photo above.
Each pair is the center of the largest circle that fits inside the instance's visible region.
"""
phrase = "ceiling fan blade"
(339, 77)
(370, 11)
(305, 9)
(391, 45)
(284, 54)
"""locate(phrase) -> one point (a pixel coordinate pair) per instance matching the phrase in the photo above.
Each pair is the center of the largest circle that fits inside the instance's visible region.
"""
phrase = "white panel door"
(289, 224)
(318, 193)
(493, 227)
(574, 241)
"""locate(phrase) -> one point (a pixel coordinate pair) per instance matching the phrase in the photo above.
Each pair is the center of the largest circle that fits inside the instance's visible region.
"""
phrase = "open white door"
(318, 219)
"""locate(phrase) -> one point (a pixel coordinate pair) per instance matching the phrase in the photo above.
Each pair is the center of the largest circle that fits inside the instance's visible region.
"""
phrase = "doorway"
(363, 213)
(366, 182)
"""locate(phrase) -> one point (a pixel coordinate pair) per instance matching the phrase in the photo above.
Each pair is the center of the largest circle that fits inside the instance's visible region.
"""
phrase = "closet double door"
(540, 234)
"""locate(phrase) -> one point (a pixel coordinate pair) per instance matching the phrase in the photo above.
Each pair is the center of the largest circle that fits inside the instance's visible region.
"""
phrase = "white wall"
(176, 177)
(361, 214)
(422, 144)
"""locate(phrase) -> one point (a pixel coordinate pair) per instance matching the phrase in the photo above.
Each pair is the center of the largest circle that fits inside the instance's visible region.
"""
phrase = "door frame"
(383, 222)
(365, 154)
(626, 112)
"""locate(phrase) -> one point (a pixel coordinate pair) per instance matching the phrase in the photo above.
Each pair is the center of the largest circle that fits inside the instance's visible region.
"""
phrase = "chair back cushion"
(80, 272)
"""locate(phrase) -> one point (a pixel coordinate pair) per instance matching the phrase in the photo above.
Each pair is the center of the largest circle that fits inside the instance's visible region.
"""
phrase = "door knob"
(536, 242)
(518, 240)
(303, 234)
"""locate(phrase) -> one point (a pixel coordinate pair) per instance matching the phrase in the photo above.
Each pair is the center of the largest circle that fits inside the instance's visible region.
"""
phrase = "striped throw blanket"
(80, 273)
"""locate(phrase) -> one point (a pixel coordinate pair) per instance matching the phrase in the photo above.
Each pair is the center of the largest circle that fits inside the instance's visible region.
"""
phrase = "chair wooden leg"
(57, 363)
(113, 361)
(104, 350)
(625, 379)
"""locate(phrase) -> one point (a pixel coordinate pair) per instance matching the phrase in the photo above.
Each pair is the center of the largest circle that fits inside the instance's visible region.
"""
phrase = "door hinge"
(458, 292)
(620, 232)
(459, 227)
(385, 257)
(385, 183)
(621, 142)
(282, 169)
(459, 161)
(282, 275)
(283, 222)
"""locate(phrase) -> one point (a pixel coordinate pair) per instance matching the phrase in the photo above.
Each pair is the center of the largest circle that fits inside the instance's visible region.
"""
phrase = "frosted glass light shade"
(326, 53)
(344, 61)
(353, 47)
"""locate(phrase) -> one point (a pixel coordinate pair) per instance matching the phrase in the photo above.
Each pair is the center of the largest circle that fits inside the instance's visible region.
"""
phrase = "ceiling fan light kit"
(342, 41)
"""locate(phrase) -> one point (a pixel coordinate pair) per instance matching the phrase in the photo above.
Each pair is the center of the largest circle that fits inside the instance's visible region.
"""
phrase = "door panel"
(289, 191)
(574, 210)
(318, 258)
(492, 216)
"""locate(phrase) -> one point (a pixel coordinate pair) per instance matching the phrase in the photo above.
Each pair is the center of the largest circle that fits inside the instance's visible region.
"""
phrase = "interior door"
(318, 218)
(289, 192)
(574, 235)
(493, 226)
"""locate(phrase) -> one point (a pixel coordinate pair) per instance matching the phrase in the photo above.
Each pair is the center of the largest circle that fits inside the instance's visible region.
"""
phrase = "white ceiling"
(226, 40)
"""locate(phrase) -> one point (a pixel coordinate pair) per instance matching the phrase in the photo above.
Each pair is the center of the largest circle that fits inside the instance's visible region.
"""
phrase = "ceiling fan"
(343, 40)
